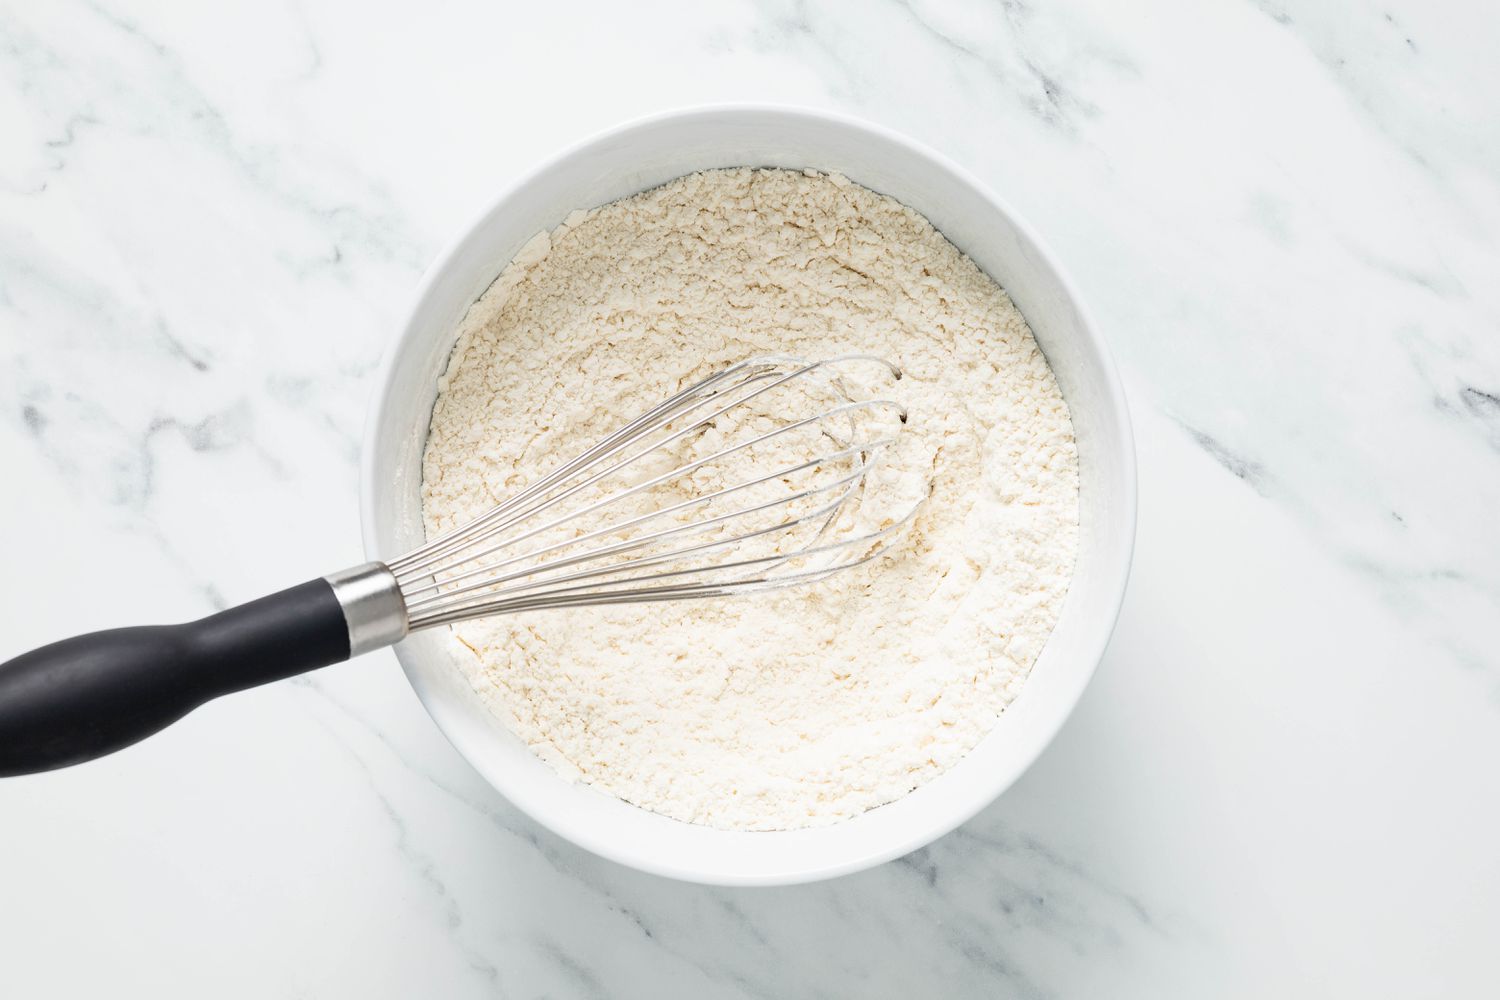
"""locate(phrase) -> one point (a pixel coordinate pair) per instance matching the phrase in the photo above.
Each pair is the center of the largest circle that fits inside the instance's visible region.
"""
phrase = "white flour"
(801, 707)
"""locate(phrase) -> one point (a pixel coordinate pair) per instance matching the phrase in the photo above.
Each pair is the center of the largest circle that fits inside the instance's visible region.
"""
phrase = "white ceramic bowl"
(642, 155)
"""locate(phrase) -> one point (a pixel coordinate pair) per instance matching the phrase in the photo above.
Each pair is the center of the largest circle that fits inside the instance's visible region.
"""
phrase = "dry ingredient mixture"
(800, 707)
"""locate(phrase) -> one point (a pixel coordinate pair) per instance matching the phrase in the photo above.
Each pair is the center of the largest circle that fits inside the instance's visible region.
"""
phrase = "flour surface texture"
(800, 707)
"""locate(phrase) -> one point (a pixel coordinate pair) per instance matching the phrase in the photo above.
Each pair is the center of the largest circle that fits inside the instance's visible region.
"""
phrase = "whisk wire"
(589, 595)
(644, 424)
(444, 563)
(535, 575)
(464, 573)
(705, 500)
(692, 397)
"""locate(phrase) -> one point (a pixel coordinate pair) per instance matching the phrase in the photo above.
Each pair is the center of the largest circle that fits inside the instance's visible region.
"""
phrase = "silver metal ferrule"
(373, 606)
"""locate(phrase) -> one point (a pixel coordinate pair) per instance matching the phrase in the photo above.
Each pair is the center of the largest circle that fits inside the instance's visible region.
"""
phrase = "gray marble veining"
(1286, 216)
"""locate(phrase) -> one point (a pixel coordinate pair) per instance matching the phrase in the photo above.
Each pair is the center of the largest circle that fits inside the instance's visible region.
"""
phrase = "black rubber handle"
(87, 696)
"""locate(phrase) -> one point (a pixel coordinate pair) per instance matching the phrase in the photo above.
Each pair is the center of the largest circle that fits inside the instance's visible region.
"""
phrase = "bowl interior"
(641, 156)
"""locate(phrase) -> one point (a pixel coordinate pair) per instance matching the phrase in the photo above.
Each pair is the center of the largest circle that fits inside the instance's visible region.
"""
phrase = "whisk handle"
(93, 694)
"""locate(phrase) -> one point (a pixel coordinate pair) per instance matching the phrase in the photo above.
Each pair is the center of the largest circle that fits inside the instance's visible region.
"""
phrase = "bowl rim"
(1112, 398)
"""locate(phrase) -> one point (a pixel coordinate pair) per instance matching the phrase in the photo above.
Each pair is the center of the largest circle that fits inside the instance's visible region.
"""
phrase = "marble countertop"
(1286, 216)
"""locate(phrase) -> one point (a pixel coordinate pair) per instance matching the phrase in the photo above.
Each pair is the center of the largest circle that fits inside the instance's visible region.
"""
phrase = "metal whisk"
(752, 479)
